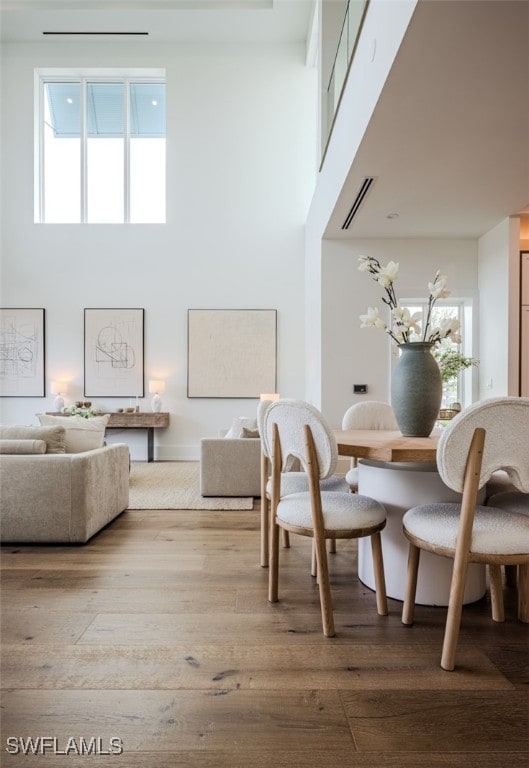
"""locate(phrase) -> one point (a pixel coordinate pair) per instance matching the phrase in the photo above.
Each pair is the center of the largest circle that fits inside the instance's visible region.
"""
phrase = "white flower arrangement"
(405, 325)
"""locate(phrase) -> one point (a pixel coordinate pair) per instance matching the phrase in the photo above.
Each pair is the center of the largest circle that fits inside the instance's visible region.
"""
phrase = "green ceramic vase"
(416, 389)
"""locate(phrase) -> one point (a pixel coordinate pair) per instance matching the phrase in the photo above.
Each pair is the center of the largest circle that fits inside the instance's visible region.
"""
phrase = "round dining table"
(401, 472)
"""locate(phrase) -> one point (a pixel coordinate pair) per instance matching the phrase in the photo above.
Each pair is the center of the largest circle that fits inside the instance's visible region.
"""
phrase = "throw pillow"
(237, 425)
(81, 434)
(249, 432)
(55, 436)
(19, 447)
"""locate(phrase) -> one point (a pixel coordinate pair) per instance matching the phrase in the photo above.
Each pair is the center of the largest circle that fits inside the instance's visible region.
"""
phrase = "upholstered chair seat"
(494, 532)
(337, 513)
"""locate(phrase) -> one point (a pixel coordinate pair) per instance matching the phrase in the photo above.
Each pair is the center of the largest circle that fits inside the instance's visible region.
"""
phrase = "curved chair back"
(506, 422)
(371, 414)
(261, 411)
(291, 417)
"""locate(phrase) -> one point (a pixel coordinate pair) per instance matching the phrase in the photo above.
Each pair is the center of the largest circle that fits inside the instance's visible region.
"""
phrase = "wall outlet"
(360, 389)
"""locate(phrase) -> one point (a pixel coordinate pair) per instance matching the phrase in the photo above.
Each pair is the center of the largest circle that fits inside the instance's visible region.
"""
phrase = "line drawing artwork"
(113, 349)
(22, 352)
(114, 353)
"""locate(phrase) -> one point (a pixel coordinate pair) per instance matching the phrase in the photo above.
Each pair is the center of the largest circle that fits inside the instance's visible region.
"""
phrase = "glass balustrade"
(351, 27)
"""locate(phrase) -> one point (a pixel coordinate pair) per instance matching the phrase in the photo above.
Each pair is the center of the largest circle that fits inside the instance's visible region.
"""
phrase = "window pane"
(147, 153)
(147, 181)
(147, 110)
(105, 152)
(62, 153)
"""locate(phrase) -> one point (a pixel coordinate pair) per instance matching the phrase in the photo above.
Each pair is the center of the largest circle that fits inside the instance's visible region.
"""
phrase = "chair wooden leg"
(327, 616)
(408, 608)
(453, 618)
(523, 592)
(285, 538)
(265, 531)
(510, 575)
(265, 511)
(496, 593)
(313, 560)
(273, 573)
(332, 546)
(380, 580)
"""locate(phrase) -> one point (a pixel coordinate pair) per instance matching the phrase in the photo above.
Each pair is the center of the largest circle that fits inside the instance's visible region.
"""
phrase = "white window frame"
(84, 76)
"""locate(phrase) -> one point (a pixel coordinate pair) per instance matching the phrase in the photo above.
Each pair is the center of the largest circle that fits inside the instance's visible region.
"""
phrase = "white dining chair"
(370, 414)
(293, 482)
(296, 429)
(486, 437)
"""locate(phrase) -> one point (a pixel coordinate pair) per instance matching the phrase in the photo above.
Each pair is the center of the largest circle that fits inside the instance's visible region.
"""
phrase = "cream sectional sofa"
(231, 465)
(50, 496)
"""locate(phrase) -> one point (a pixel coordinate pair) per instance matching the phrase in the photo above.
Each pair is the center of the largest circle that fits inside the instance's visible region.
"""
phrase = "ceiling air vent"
(359, 199)
(122, 34)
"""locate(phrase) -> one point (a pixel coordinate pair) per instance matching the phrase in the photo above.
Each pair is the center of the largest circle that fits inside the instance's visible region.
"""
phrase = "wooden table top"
(136, 419)
(139, 420)
(385, 445)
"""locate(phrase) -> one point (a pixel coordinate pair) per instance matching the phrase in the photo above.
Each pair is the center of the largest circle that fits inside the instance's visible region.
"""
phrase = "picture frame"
(22, 352)
(114, 352)
(232, 353)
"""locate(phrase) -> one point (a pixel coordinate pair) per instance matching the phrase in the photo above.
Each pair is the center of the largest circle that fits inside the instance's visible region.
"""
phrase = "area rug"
(174, 485)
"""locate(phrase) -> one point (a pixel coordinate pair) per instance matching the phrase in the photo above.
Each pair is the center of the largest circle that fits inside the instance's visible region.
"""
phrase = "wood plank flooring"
(158, 633)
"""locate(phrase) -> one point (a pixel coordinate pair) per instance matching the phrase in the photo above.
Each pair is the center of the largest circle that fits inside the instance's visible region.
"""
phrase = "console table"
(135, 420)
(148, 421)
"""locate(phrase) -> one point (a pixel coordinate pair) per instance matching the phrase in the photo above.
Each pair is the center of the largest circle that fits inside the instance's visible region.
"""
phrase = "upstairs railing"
(352, 24)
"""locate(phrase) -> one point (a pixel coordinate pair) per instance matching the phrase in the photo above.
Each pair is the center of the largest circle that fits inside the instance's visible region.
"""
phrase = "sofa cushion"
(81, 434)
(54, 436)
(238, 424)
(22, 446)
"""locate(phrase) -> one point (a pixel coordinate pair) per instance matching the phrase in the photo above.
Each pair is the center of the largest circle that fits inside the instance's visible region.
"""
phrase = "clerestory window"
(100, 146)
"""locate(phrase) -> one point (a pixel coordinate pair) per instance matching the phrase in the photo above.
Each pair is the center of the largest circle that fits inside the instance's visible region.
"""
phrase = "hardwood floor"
(158, 633)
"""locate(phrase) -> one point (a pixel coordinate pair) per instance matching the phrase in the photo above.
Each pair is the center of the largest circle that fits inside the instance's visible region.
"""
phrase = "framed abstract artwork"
(231, 352)
(114, 353)
(22, 353)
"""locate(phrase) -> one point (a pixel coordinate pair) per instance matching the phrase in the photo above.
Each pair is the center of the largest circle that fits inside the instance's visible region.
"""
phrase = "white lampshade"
(58, 387)
(155, 387)
(273, 396)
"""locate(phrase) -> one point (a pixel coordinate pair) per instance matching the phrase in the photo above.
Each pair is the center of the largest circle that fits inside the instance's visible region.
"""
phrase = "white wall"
(354, 355)
(241, 132)
(386, 22)
(498, 263)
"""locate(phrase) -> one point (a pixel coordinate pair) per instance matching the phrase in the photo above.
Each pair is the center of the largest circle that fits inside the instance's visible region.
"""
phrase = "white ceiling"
(163, 20)
(448, 143)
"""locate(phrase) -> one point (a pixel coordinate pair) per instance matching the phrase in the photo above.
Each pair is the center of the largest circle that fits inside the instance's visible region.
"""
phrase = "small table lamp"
(58, 388)
(155, 387)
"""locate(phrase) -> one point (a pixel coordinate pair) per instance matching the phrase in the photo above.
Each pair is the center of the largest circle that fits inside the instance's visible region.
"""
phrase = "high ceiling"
(163, 20)
(448, 143)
